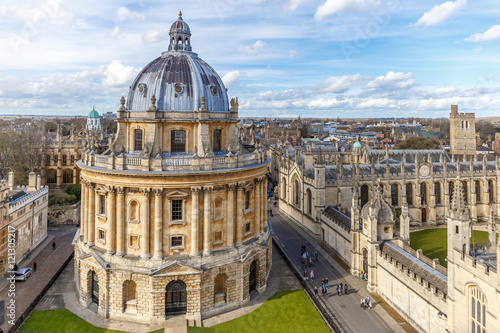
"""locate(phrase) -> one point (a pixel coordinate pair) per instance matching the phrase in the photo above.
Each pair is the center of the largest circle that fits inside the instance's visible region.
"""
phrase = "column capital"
(232, 187)
(196, 189)
(111, 189)
(241, 185)
(158, 191)
(145, 191)
(208, 189)
(120, 189)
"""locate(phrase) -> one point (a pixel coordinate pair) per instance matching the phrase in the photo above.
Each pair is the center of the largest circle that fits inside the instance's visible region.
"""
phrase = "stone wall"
(68, 214)
(337, 237)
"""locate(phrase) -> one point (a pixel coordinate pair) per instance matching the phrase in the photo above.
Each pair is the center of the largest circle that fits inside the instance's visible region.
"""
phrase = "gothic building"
(174, 217)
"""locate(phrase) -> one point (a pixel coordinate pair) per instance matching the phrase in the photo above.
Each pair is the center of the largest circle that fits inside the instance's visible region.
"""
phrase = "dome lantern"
(180, 35)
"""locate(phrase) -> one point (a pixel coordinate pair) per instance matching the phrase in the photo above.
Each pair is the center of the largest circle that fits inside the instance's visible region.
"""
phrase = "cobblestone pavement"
(48, 262)
(346, 307)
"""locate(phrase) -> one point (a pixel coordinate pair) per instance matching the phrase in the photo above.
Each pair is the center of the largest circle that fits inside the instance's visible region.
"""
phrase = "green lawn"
(285, 311)
(433, 242)
(61, 321)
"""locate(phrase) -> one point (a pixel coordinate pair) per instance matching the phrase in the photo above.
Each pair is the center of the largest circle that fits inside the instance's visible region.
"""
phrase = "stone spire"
(458, 209)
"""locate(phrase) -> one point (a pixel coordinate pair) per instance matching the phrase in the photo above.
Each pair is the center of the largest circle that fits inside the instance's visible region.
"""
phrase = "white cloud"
(340, 84)
(392, 80)
(329, 103)
(440, 13)
(117, 75)
(123, 14)
(293, 4)
(252, 49)
(155, 36)
(232, 78)
(282, 95)
(115, 33)
(331, 7)
(377, 103)
(293, 53)
(492, 33)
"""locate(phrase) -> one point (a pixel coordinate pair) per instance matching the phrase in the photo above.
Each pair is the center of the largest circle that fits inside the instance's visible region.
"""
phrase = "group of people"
(324, 288)
(342, 289)
(366, 303)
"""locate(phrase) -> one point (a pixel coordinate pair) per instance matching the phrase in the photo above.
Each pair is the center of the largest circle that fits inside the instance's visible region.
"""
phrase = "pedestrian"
(341, 287)
(305, 275)
(345, 288)
(323, 291)
(315, 262)
(322, 282)
(338, 290)
(303, 249)
(316, 255)
(362, 302)
(312, 275)
(34, 267)
(368, 302)
(315, 291)
(326, 283)
(310, 262)
(307, 254)
(53, 245)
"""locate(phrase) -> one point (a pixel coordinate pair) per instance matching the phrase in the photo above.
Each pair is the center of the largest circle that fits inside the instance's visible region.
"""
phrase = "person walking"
(34, 267)
(322, 282)
(315, 261)
(338, 290)
(311, 275)
(346, 288)
(341, 287)
(316, 255)
(53, 245)
(362, 302)
(368, 302)
(323, 291)
(305, 275)
(310, 262)
(316, 291)
(326, 284)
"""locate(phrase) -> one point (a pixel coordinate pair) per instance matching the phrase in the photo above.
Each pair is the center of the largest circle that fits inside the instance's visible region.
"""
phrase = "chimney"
(10, 180)
(38, 182)
(32, 181)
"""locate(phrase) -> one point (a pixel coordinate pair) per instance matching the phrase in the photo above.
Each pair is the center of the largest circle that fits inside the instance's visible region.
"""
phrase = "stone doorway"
(424, 215)
(95, 288)
(175, 298)
(252, 284)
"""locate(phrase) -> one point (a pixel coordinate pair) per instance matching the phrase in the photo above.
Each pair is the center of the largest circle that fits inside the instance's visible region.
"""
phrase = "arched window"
(56, 159)
(437, 193)
(395, 194)
(51, 177)
(309, 202)
(409, 194)
(465, 189)
(178, 141)
(175, 298)
(423, 193)
(72, 159)
(364, 195)
(220, 290)
(477, 303)
(133, 211)
(47, 160)
(216, 144)
(296, 193)
(451, 189)
(491, 190)
(64, 159)
(129, 296)
(478, 191)
(67, 176)
(137, 139)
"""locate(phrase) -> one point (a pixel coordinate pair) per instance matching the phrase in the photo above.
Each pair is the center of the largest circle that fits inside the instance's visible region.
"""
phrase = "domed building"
(94, 121)
(174, 217)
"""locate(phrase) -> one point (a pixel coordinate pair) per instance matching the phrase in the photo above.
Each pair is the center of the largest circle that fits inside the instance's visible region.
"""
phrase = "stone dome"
(93, 114)
(178, 79)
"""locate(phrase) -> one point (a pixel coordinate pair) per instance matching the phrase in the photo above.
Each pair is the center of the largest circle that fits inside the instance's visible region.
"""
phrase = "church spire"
(457, 206)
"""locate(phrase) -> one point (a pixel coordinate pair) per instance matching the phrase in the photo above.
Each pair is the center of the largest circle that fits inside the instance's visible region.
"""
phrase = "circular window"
(143, 88)
(178, 88)
(214, 90)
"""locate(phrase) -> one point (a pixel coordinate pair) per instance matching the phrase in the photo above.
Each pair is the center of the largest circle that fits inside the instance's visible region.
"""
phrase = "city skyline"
(360, 58)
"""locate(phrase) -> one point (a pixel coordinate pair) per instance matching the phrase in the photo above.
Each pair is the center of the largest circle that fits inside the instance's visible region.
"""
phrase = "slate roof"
(337, 216)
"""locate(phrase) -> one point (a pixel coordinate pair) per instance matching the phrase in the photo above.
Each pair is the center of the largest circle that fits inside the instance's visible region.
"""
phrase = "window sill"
(177, 248)
(177, 222)
(134, 221)
(102, 217)
(247, 211)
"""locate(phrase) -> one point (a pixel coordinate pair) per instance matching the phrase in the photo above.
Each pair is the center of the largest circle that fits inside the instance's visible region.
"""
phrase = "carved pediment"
(95, 260)
(177, 194)
(175, 268)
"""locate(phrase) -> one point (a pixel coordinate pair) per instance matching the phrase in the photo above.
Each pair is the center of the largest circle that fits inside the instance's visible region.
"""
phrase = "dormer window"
(138, 139)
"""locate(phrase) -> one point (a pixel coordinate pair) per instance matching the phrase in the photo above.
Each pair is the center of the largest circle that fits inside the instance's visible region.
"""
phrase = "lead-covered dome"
(178, 79)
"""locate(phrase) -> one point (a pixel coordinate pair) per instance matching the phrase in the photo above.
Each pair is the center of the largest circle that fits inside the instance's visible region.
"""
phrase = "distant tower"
(462, 132)
(93, 121)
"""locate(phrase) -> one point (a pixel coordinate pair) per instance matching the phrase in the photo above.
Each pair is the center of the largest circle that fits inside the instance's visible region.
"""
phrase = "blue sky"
(313, 58)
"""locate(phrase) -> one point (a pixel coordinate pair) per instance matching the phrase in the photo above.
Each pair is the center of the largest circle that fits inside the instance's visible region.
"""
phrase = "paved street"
(48, 262)
(347, 307)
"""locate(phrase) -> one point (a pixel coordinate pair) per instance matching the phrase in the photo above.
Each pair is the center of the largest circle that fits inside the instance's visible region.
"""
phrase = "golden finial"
(180, 14)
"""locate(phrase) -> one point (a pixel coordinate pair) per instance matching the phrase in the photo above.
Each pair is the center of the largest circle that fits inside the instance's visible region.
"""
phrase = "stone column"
(230, 215)
(264, 204)
(195, 214)
(120, 221)
(83, 213)
(145, 225)
(91, 214)
(206, 220)
(59, 170)
(158, 224)
(110, 221)
(239, 213)
(257, 214)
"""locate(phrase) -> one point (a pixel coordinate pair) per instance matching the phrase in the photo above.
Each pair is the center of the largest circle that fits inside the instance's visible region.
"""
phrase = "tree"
(74, 189)
(419, 143)
(50, 126)
(304, 130)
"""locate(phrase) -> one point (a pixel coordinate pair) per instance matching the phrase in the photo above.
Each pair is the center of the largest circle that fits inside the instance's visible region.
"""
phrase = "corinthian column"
(230, 215)
(83, 212)
(239, 213)
(264, 204)
(120, 221)
(257, 215)
(145, 225)
(91, 214)
(110, 222)
(158, 223)
(206, 220)
(195, 220)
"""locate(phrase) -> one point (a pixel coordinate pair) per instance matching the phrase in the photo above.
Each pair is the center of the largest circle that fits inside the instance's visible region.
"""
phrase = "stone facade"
(174, 217)
(462, 132)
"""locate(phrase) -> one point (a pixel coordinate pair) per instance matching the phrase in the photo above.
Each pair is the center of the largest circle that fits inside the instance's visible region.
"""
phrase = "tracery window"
(437, 193)
(296, 194)
(409, 194)
(478, 191)
(477, 310)
(394, 194)
(491, 190)
(465, 189)
(423, 193)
